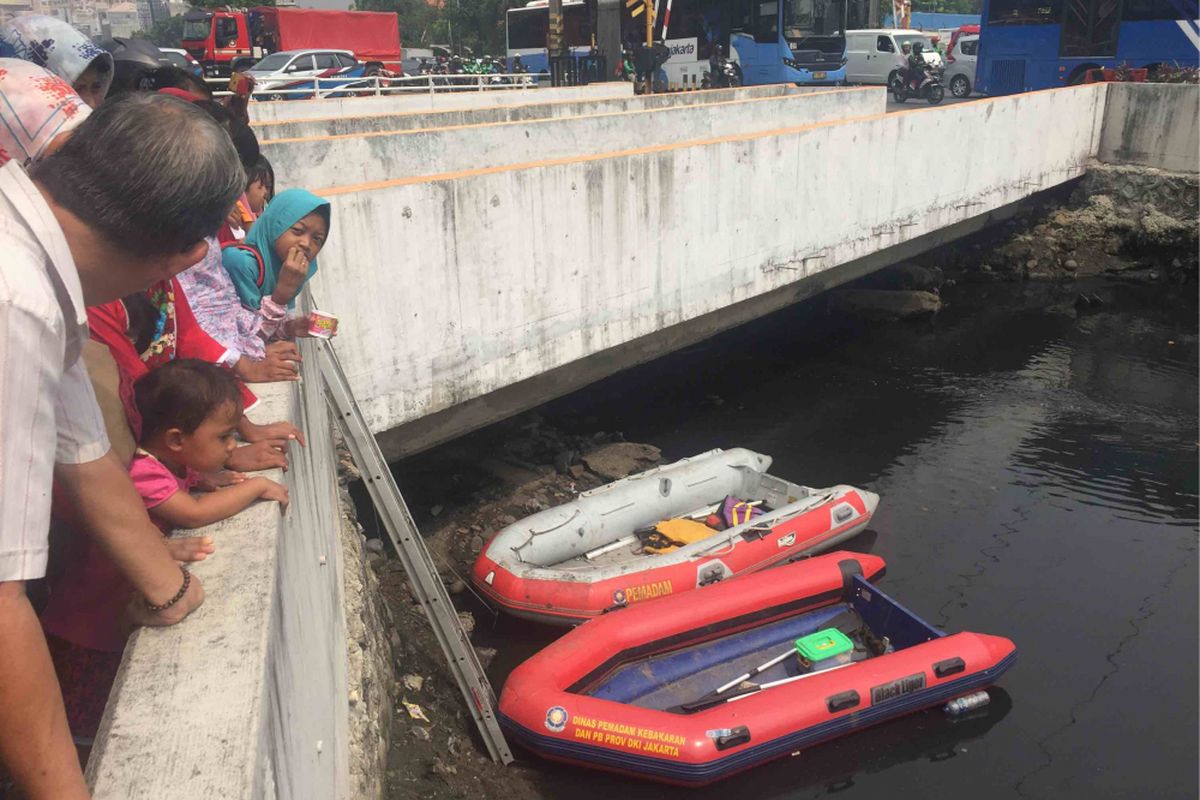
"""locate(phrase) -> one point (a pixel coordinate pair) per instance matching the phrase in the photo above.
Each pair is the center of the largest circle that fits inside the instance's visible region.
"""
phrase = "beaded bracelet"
(187, 581)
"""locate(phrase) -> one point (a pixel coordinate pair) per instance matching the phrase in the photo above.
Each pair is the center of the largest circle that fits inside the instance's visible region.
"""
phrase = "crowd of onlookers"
(148, 272)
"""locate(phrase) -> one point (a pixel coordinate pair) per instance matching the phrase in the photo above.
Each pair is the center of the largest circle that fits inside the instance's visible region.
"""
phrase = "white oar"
(792, 679)
(756, 671)
(608, 548)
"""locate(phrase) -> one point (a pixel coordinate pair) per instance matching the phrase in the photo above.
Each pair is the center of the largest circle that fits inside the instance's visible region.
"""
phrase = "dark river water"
(1038, 474)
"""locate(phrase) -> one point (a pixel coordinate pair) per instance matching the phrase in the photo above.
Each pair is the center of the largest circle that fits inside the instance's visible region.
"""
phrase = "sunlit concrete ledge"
(247, 698)
(426, 101)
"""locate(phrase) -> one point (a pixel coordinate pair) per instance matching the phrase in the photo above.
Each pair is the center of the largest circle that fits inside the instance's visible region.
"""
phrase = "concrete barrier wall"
(1155, 125)
(455, 287)
(423, 101)
(361, 158)
(247, 698)
(509, 112)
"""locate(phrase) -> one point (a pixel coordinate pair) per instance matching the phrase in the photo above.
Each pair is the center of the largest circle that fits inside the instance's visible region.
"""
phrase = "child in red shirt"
(189, 413)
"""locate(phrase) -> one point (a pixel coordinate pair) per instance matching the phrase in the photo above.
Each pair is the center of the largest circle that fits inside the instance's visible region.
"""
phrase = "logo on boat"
(556, 719)
(646, 591)
(786, 541)
(897, 688)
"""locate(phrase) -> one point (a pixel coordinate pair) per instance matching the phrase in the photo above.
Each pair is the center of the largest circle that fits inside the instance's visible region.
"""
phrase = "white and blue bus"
(794, 41)
(773, 41)
(526, 29)
(1040, 44)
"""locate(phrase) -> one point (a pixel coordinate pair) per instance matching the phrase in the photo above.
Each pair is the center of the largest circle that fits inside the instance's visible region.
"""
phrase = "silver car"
(289, 66)
(959, 76)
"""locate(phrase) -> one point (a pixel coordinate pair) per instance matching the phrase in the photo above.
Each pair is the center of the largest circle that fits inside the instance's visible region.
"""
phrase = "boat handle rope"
(533, 533)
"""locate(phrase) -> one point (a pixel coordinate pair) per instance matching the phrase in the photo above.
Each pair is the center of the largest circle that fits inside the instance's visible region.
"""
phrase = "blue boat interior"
(675, 678)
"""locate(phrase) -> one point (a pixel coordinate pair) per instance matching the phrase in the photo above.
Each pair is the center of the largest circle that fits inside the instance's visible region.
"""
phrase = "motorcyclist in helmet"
(136, 63)
(917, 66)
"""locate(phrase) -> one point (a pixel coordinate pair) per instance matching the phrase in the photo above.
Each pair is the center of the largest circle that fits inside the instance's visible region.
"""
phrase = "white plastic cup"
(322, 325)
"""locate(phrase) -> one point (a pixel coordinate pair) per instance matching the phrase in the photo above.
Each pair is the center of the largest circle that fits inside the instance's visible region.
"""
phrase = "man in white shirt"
(126, 201)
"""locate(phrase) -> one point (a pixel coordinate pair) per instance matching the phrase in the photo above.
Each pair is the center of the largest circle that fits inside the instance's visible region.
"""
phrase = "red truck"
(225, 39)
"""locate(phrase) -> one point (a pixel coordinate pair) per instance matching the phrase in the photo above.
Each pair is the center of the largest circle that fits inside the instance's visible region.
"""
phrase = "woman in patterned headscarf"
(55, 45)
(36, 110)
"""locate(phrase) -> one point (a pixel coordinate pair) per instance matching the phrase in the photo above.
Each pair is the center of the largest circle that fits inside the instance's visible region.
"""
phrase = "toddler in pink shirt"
(189, 413)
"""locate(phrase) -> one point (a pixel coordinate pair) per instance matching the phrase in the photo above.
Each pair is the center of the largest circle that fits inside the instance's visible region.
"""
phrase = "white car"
(289, 66)
(874, 56)
(960, 65)
(182, 59)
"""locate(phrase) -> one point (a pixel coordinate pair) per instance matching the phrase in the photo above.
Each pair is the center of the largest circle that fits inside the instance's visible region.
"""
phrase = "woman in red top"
(173, 332)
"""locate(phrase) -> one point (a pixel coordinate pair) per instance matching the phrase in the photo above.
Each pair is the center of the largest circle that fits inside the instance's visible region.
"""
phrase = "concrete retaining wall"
(398, 103)
(454, 287)
(365, 157)
(248, 697)
(510, 112)
(1155, 125)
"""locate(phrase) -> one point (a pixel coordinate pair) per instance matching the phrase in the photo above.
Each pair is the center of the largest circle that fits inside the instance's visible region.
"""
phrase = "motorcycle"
(626, 70)
(722, 72)
(930, 88)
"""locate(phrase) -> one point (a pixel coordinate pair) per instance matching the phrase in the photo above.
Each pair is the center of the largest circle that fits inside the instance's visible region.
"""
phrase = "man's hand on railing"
(189, 549)
(142, 611)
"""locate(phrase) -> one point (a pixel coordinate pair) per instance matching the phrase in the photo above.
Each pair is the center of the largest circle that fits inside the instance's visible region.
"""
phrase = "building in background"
(120, 19)
(12, 8)
(98, 18)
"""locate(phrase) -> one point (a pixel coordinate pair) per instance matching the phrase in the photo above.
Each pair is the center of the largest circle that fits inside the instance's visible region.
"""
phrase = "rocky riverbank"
(1129, 223)
(517, 468)
(1133, 223)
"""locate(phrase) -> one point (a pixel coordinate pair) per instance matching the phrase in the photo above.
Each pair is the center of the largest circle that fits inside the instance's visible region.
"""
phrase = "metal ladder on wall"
(422, 574)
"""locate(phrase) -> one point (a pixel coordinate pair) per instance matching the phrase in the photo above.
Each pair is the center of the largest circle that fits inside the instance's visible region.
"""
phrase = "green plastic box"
(821, 645)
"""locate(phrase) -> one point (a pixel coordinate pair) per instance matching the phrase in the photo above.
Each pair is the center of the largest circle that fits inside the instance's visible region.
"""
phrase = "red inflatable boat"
(581, 559)
(694, 688)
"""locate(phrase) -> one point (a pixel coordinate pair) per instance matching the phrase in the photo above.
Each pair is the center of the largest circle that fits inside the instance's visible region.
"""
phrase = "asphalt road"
(892, 105)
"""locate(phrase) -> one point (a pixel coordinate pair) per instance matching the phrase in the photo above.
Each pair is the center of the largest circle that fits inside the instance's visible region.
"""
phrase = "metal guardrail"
(572, 70)
(379, 85)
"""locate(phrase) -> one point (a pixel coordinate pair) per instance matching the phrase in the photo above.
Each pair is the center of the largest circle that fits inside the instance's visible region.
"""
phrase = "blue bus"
(1040, 44)
(772, 41)
(526, 28)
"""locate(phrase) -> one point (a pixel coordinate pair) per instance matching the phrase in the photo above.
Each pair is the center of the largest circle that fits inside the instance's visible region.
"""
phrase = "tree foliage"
(934, 7)
(949, 6)
(474, 24)
(166, 32)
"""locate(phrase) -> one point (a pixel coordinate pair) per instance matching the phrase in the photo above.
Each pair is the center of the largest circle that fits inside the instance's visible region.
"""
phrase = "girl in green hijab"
(279, 255)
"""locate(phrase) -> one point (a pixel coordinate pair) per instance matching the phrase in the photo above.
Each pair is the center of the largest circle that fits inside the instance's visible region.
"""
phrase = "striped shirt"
(48, 410)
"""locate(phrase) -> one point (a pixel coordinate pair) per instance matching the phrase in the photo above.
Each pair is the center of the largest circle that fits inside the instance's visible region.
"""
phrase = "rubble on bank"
(1126, 222)
(1134, 223)
(887, 304)
(532, 466)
